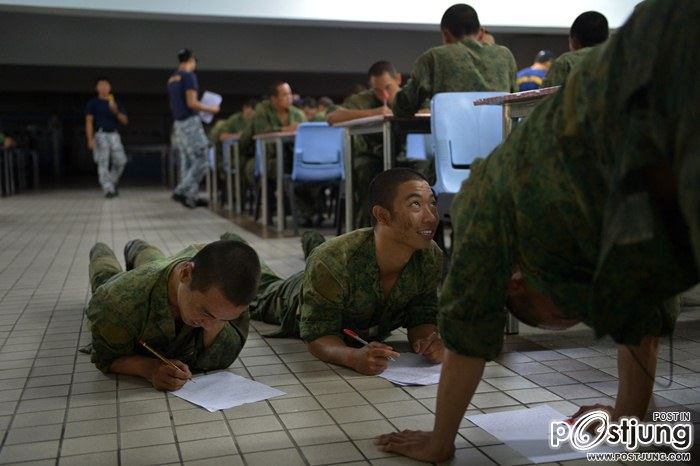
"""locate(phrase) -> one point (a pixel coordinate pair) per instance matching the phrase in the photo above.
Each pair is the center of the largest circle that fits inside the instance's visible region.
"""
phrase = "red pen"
(356, 337)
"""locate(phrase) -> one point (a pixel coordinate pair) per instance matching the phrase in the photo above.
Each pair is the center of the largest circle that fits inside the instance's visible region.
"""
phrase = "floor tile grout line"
(7, 432)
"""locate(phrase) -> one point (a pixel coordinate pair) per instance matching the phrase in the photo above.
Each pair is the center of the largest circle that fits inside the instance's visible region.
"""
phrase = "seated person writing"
(371, 281)
(367, 150)
(190, 307)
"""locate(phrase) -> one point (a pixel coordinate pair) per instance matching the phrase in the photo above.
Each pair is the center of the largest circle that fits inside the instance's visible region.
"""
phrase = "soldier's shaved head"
(382, 189)
(231, 266)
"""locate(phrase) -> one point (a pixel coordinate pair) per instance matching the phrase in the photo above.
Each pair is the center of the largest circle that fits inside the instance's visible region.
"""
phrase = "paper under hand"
(412, 369)
(223, 390)
(527, 432)
(209, 99)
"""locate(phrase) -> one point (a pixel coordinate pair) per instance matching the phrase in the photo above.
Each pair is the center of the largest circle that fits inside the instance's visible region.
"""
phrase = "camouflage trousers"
(277, 301)
(192, 143)
(105, 265)
(110, 159)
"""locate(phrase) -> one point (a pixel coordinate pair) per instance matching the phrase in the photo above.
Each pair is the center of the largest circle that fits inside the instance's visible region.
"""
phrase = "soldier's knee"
(100, 249)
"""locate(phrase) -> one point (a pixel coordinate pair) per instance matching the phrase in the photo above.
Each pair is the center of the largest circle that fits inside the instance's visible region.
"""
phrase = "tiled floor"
(56, 408)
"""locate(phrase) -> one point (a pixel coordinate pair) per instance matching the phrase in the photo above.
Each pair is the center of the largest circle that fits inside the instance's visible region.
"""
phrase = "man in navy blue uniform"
(103, 114)
(188, 133)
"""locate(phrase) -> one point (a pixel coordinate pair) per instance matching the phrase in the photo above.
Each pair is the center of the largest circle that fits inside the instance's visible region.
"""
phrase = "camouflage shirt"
(265, 120)
(133, 306)
(465, 66)
(562, 198)
(561, 67)
(233, 124)
(341, 289)
(370, 144)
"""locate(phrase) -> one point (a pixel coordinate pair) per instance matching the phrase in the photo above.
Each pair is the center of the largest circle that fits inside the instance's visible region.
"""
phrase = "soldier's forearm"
(344, 114)
(636, 366)
(333, 350)
(134, 365)
(458, 381)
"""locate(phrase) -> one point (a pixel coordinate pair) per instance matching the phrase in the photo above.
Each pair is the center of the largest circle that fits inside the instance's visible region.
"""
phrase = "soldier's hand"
(214, 109)
(383, 110)
(588, 408)
(373, 358)
(431, 347)
(167, 378)
(91, 144)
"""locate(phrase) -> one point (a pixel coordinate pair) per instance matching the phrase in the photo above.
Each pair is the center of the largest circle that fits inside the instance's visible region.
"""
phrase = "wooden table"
(278, 138)
(516, 106)
(230, 146)
(420, 123)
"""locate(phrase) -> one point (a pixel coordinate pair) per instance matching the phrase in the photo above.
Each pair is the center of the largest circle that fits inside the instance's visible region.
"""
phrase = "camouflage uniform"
(465, 66)
(340, 289)
(561, 67)
(130, 306)
(110, 159)
(567, 198)
(191, 141)
(265, 120)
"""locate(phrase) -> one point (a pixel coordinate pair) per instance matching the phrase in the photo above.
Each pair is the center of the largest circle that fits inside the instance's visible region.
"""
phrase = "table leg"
(237, 177)
(164, 166)
(3, 154)
(386, 133)
(512, 324)
(35, 164)
(171, 168)
(215, 181)
(11, 171)
(227, 160)
(263, 182)
(347, 161)
(280, 184)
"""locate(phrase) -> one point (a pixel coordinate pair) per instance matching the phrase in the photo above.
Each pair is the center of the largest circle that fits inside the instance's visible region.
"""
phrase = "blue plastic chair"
(419, 146)
(461, 132)
(318, 159)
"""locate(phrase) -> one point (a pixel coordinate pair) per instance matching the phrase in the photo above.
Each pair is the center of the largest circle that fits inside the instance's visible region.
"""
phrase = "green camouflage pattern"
(320, 117)
(562, 66)
(566, 197)
(233, 124)
(465, 66)
(340, 289)
(265, 120)
(130, 306)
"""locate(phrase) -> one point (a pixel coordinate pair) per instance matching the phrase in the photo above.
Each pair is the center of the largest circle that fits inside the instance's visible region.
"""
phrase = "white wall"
(526, 16)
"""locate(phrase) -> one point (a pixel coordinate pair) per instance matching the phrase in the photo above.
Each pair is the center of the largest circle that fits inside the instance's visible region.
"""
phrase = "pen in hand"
(159, 356)
(357, 338)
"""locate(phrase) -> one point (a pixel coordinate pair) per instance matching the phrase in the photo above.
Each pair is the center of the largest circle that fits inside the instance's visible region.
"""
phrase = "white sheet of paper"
(527, 432)
(209, 98)
(412, 369)
(223, 390)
